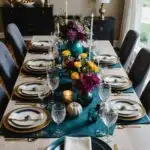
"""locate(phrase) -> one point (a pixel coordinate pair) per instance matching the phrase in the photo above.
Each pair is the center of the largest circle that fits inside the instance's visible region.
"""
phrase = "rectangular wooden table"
(133, 137)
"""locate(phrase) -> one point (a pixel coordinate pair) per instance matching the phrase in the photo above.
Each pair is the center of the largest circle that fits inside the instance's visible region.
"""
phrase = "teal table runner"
(79, 125)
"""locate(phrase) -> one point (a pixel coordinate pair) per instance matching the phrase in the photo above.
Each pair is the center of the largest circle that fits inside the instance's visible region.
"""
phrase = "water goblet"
(53, 83)
(104, 91)
(109, 116)
(43, 93)
(58, 114)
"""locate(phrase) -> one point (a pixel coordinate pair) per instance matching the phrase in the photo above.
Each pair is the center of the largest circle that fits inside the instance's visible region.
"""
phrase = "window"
(145, 24)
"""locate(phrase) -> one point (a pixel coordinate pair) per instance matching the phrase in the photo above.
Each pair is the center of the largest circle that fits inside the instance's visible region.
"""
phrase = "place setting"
(26, 120)
(104, 60)
(117, 82)
(39, 46)
(128, 109)
(38, 66)
(81, 141)
(31, 91)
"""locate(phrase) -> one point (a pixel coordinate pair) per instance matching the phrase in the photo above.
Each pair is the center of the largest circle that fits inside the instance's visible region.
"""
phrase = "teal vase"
(85, 98)
(76, 48)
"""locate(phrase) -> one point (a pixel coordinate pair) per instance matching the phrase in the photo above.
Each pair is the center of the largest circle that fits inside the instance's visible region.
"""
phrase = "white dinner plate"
(118, 82)
(127, 108)
(30, 90)
(26, 120)
(38, 64)
(107, 59)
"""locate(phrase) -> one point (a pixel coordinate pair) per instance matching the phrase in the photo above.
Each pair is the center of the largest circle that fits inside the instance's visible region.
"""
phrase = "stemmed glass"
(53, 81)
(58, 114)
(109, 116)
(43, 93)
(104, 91)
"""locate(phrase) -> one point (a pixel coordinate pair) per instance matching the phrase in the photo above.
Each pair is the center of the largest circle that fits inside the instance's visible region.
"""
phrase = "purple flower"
(88, 82)
(72, 35)
(73, 31)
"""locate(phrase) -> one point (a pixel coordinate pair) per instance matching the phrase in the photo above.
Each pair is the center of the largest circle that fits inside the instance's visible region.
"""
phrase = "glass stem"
(52, 95)
(42, 101)
(107, 136)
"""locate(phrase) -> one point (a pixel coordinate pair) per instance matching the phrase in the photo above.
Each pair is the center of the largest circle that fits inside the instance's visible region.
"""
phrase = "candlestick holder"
(102, 10)
(67, 96)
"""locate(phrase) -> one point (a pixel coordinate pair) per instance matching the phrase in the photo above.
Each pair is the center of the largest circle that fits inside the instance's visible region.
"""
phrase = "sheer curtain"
(132, 20)
(131, 16)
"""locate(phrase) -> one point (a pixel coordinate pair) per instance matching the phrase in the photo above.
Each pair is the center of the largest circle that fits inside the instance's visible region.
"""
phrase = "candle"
(66, 20)
(67, 96)
(58, 30)
(91, 34)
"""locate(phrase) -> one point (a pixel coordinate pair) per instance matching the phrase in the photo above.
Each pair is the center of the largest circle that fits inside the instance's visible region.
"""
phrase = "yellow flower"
(90, 64)
(66, 53)
(83, 55)
(77, 64)
(95, 68)
(75, 76)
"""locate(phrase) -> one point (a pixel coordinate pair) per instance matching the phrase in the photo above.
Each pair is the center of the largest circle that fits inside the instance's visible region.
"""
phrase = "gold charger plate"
(140, 114)
(16, 130)
(107, 62)
(119, 88)
(28, 97)
(27, 67)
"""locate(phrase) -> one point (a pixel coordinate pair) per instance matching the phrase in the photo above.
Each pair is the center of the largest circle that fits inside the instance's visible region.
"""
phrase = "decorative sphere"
(85, 98)
(77, 48)
(74, 109)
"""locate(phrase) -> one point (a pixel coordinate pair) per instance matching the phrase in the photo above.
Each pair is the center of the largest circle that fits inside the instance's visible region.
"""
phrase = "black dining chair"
(127, 46)
(8, 69)
(140, 67)
(16, 40)
(3, 102)
(145, 98)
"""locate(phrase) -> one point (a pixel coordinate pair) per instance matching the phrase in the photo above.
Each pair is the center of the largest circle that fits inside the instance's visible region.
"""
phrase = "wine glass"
(53, 82)
(109, 116)
(42, 93)
(58, 114)
(104, 91)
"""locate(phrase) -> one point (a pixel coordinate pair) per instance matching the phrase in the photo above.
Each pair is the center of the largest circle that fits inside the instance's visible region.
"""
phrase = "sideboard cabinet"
(31, 21)
(104, 29)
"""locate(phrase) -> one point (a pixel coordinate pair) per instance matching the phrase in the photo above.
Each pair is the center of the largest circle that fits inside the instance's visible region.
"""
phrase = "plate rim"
(120, 88)
(15, 91)
(139, 116)
(35, 71)
(109, 64)
(13, 125)
(15, 130)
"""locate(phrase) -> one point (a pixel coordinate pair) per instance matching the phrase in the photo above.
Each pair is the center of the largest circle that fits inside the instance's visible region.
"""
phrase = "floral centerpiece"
(74, 33)
(84, 75)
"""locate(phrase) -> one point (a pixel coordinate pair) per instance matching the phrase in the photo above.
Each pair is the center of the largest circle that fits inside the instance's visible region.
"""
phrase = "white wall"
(86, 7)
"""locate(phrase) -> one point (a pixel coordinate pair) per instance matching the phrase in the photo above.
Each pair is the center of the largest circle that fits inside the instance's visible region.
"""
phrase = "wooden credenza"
(104, 29)
(30, 21)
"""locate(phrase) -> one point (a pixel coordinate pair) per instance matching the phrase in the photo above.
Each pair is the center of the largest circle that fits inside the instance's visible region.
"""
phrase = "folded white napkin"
(77, 143)
(30, 89)
(43, 45)
(116, 81)
(32, 116)
(39, 64)
(127, 109)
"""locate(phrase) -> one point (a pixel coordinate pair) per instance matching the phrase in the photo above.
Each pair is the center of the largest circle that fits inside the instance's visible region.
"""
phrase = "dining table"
(126, 137)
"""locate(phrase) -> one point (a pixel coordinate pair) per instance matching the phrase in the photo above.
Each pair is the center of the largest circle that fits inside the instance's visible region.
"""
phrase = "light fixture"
(102, 10)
